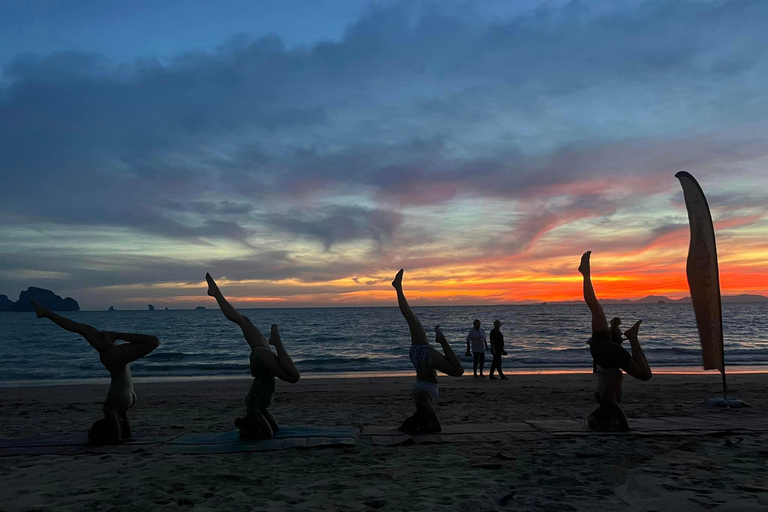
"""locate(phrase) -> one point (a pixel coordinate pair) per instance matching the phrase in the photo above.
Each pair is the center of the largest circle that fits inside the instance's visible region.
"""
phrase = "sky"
(304, 151)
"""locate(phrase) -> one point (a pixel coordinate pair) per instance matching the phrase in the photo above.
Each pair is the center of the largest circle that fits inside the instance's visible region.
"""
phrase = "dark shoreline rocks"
(45, 297)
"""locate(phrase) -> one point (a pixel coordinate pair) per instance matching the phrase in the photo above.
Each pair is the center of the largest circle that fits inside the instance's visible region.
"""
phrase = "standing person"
(477, 341)
(425, 360)
(497, 349)
(609, 355)
(117, 359)
(258, 422)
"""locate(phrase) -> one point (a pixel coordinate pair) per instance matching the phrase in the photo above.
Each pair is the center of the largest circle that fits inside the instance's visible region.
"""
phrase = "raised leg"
(418, 334)
(599, 323)
(449, 364)
(290, 372)
(252, 335)
(639, 367)
(93, 336)
(137, 346)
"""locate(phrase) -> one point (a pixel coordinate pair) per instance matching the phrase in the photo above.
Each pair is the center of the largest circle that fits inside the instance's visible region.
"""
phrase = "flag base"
(727, 403)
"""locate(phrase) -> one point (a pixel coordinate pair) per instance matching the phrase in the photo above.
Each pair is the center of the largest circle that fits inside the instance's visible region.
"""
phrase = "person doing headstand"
(609, 356)
(115, 427)
(425, 360)
(258, 422)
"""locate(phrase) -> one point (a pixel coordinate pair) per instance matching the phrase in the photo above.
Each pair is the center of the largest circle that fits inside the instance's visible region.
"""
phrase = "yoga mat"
(463, 433)
(75, 444)
(285, 438)
(546, 429)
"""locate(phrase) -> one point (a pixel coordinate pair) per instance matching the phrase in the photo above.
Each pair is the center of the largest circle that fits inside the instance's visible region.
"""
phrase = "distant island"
(660, 299)
(45, 297)
(151, 307)
(199, 308)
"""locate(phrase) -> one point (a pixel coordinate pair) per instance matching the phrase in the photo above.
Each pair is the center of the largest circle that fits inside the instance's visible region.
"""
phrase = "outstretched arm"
(280, 365)
(448, 363)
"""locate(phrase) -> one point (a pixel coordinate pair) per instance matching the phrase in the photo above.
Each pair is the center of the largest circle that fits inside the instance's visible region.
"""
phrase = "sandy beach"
(722, 472)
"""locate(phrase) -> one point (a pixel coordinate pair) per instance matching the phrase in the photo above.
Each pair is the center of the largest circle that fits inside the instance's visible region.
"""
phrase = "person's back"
(422, 362)
(121, 387)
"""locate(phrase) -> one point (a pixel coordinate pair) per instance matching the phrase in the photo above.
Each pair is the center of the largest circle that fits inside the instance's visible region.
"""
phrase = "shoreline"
(670, 370)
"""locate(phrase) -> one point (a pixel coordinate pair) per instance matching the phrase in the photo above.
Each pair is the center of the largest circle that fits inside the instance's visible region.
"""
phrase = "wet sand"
(725, 472)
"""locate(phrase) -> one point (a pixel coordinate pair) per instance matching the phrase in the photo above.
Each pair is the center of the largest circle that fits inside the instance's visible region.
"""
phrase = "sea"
(344, 341)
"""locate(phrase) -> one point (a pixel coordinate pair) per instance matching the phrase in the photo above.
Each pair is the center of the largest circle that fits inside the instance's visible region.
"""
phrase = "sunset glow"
(482, 149)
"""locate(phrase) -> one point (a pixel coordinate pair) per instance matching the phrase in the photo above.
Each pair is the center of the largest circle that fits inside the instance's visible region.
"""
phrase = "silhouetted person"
(258, 422)
(497, 350)
(608, 389)
(117, 359)
(608, 354)
(425, 360)
(476, 340)
(616, 336)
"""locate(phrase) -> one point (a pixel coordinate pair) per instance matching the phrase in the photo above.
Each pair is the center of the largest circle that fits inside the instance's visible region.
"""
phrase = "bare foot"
(213, 288)
(274, 336)
(40, 310)
(398, 281)
(584, 266)
(631, 333)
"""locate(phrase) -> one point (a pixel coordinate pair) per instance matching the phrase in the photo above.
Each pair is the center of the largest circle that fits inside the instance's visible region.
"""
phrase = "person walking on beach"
(425, 360)
(497, 349)
(477, 342)
(258, 422)
(115, 427)
(607, 353)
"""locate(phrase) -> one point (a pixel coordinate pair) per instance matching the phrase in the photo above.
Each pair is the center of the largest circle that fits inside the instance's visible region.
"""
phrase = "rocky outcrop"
(5, 303)
(111, 308)
(151, 307)
(45, 297)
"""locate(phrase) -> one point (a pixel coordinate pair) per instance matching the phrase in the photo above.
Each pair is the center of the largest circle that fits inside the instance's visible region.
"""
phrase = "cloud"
(337, 224)
(531, 126)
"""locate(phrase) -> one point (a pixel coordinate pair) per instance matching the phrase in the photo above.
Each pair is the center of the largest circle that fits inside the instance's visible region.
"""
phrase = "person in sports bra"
(609, 356)
(116, 358)
(425, 360)
(258, 422)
